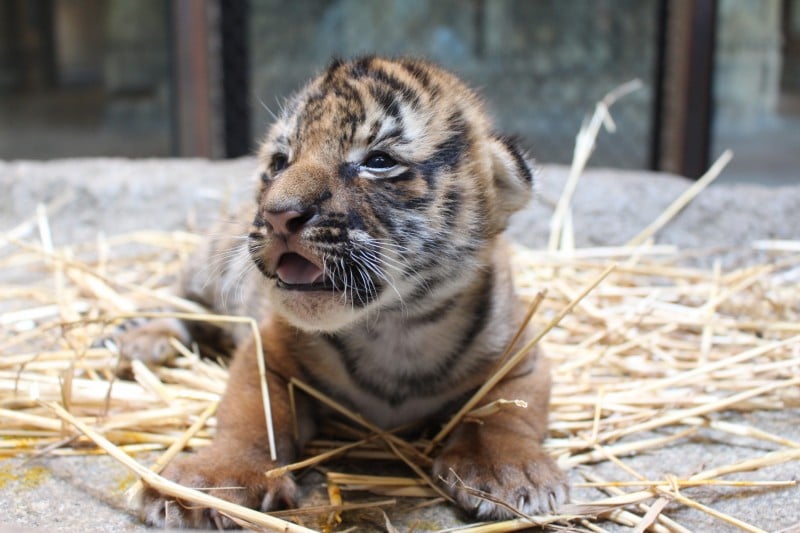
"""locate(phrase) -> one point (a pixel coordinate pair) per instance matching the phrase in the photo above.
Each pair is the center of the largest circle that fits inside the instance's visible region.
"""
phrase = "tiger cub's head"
(383, 186)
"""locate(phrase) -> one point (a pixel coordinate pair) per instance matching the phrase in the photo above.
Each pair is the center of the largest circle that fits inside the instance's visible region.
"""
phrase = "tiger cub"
(374, 261)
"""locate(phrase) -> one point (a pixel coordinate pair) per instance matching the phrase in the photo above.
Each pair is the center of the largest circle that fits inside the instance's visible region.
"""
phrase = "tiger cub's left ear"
(513, 179)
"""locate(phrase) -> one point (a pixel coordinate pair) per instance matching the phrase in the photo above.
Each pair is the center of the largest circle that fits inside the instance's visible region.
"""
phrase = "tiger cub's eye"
(379, 161)
(279, 162)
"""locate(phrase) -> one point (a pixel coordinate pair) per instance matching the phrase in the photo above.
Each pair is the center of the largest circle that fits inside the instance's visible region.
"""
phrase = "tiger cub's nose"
(291, 221)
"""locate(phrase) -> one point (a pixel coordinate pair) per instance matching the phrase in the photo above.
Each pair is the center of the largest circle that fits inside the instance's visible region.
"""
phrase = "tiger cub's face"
(382, 186)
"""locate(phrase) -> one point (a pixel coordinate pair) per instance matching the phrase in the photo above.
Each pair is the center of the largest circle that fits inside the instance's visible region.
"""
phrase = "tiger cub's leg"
(218, 277)
(234, 466)
(502, 455)
(149, 341)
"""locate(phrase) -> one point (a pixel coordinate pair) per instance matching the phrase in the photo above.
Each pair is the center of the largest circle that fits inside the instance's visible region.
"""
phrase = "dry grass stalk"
(383, 485)
(388, 437)
(176, 447)
(313, 510)
(683, 483)
(684, 199)
(493, 408)
(743, 431)
(621, 449)
(363, 480)
(664, 523)
(650, 517)
(584, 146)
(713, 512)
(315, 459)
(402, 449)
(772, 458)
(677, 416)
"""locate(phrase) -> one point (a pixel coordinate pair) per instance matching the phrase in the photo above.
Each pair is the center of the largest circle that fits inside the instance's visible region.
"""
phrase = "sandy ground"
(610, 207)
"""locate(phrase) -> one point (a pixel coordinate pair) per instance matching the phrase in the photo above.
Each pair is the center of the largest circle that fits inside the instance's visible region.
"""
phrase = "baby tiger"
(374, 262)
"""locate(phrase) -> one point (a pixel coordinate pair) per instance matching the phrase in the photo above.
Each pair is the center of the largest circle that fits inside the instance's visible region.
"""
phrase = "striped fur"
(375, 238)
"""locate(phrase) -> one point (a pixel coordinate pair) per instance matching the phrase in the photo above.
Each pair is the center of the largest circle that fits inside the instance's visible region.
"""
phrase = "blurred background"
(200, 78)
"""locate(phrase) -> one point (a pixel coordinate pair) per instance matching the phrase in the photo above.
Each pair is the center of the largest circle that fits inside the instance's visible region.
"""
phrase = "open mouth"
(295, 272)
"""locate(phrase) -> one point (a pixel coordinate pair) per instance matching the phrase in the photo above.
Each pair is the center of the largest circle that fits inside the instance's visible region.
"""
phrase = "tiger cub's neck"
(434, 349)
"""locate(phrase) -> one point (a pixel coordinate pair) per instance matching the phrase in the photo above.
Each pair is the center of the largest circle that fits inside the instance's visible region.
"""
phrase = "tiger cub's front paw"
(149, 341)
(234, 477)
(497, 475)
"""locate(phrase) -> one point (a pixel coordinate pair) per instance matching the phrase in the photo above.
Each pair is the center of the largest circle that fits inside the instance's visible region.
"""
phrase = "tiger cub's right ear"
(513, 178)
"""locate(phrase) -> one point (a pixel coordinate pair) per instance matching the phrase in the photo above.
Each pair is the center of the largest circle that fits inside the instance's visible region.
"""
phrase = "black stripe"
(451, 206)
(419, 72)
(337, 216)
(420, 203)
(407, 175)
(408, 94)
(326, 237)
(350, 358)
(366, 68)
(390, 199)
(354, 220)
(522, 165)
(332, 223)
(373, 132)
(482, 307)
(450, 151)
(434, 315)
(383, 212)
(314, 108)
(432, 381)
(360, 67)
(426, 286)
(394, 133)
(336, 343)
(386, 99)
(334, 66)
(355, 111)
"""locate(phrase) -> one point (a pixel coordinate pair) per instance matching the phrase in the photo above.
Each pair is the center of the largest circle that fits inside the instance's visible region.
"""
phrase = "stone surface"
(610, 207)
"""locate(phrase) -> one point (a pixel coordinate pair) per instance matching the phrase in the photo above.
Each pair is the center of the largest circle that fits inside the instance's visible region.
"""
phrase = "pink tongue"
(296, 270)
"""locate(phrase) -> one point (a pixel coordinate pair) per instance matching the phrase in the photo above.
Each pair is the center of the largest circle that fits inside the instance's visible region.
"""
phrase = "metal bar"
(659, 89)
(687, 106)
(238, 137)
(699, 94)
(190, 62)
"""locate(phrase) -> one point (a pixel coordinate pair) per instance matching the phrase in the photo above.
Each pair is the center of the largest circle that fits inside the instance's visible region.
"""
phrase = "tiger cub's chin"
(314, 310)
(375, 237)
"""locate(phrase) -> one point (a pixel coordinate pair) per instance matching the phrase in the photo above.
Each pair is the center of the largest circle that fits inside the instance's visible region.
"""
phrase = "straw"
(684, 199)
